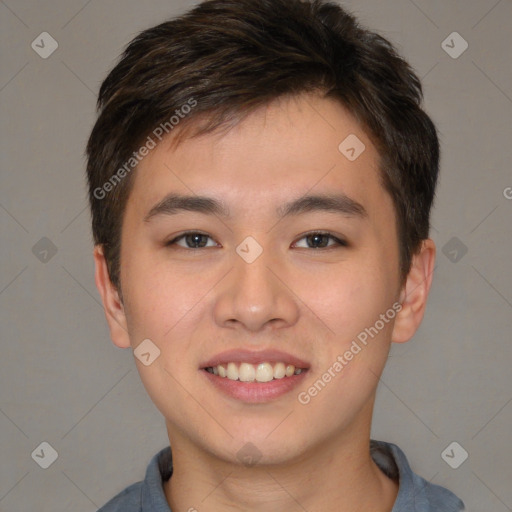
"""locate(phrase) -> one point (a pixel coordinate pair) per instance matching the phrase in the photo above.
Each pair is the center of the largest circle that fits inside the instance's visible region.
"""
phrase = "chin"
(251, 451)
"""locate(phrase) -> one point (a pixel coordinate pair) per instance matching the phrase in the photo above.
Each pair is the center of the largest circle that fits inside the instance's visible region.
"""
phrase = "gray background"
(62, 381)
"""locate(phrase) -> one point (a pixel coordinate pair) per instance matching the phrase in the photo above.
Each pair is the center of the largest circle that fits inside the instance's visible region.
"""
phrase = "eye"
(192, 239)
(314, 240)
(319, 240)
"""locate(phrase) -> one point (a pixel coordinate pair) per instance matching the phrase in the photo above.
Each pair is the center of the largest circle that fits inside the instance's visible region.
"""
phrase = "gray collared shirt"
(414, 494)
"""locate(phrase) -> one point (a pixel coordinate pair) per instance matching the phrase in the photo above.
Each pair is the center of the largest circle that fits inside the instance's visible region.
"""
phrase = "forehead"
(283, 150)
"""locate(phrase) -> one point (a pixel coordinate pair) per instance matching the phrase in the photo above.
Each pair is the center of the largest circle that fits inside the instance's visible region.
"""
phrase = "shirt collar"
(414, 492)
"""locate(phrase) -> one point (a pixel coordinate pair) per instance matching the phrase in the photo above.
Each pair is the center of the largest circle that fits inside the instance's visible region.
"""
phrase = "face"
(296, 298)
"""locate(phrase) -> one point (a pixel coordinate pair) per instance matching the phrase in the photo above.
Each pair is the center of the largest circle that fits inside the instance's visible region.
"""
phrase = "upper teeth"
(246, 372)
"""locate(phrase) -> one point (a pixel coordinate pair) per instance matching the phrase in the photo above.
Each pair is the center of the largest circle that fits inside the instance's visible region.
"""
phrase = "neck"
(337, 475)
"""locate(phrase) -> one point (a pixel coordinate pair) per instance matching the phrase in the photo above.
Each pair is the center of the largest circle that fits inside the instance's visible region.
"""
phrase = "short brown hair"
(233, 56)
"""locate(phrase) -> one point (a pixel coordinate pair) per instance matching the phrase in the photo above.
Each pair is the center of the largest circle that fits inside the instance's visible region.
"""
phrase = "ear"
(112, 304)
(414, 294)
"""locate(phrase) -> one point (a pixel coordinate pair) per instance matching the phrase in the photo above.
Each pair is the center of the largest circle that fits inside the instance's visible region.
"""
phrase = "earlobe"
(414, 294)
(112, 304)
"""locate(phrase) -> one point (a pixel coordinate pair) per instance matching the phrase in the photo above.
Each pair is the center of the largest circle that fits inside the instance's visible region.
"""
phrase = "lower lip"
(255, 392)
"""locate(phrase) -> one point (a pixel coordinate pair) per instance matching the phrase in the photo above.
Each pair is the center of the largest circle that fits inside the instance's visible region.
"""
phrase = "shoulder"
(128, 500)
(415, 493)
(440, 499)
(148, 494)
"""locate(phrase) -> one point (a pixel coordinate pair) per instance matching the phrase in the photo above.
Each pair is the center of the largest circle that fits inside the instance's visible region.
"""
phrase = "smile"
(247, 372)
(254, 377)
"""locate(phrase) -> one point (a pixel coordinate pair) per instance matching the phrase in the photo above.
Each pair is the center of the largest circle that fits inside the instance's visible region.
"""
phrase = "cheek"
(355, 354)
(348, 298)
(157, 296)
(163, 305)
(357, 349)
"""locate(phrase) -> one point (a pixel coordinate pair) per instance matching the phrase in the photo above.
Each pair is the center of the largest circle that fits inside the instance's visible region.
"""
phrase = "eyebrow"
(339, 203)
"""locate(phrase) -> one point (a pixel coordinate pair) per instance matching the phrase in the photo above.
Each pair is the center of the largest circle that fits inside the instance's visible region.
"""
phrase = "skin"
(310, 302)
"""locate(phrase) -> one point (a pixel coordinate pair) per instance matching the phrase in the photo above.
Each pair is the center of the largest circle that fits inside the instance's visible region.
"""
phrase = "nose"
(256, 296)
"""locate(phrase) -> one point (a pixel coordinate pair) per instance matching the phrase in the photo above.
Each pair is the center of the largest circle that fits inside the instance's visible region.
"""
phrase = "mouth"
(247, 372)
(254, 377)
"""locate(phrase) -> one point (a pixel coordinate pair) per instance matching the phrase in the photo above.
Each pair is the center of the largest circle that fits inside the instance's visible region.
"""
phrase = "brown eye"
(192, 240)
(320, 240)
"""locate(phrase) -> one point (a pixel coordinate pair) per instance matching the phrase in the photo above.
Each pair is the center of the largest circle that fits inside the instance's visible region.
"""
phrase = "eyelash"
(340, 242)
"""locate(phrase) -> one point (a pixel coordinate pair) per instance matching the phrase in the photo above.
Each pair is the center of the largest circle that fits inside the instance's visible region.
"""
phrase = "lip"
(255, 357)
(254, 392)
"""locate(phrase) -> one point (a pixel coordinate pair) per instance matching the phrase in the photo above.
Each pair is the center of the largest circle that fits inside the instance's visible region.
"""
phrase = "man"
(261, 176)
